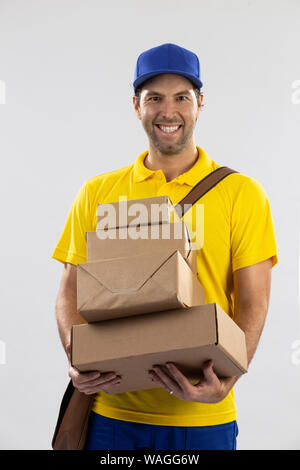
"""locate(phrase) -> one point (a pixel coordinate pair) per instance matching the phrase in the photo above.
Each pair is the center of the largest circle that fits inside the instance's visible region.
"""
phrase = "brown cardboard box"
(138, 284)
(131, 346)
(133, 212)
(125, 241)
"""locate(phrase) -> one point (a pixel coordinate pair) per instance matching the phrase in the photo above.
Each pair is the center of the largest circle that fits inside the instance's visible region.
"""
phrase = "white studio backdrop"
(66, 115)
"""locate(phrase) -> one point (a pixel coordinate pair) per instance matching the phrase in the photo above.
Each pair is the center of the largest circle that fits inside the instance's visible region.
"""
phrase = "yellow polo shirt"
(236, 231)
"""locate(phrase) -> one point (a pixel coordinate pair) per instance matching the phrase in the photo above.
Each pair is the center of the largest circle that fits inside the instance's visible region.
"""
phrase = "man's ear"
(199, 103)
(136, 107)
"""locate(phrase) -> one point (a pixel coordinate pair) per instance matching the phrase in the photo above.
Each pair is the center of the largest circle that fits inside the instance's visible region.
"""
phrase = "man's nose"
(169, 109)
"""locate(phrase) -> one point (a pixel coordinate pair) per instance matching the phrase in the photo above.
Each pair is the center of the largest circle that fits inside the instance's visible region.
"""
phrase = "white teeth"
(169, 129)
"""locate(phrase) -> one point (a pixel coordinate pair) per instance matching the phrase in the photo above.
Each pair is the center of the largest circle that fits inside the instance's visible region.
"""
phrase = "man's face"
(167, 101)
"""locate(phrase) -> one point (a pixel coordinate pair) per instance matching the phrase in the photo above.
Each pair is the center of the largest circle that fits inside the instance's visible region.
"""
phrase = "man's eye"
(157, 97)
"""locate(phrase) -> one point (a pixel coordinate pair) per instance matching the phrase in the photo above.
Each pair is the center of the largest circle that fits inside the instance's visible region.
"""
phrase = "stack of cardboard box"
(143, 302)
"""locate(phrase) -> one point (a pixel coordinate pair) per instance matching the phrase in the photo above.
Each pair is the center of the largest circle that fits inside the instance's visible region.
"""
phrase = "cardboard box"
(188, 337)
(125, 241)
(134, 212)
(138, 284)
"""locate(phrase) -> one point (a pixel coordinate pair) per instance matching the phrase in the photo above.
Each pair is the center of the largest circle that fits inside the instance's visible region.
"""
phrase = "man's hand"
(210, 389)
(91, 382)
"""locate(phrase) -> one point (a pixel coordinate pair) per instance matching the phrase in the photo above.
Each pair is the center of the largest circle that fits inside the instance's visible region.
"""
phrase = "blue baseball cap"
(167, 58)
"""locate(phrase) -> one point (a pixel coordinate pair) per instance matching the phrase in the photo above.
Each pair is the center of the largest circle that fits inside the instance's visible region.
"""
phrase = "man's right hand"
(91, 382)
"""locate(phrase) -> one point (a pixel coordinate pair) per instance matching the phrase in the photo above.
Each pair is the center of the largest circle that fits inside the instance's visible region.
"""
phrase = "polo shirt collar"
(199, 170)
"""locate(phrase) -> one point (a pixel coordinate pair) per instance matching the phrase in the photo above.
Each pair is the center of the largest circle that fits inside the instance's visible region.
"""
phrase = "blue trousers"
(113, 434)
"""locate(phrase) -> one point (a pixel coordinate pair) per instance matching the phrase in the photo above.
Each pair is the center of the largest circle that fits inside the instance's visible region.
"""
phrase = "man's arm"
(66, 305)
(67, 316)
(252, 287)
(252, 293)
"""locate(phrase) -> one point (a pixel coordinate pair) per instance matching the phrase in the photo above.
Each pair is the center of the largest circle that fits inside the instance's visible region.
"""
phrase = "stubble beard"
(166, 148)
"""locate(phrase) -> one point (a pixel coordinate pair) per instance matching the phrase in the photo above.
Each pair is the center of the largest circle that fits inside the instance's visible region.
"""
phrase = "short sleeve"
(71, 247)
(252, 228)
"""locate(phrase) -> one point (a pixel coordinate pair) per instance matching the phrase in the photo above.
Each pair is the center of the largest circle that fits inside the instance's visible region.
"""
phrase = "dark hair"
(138, 91)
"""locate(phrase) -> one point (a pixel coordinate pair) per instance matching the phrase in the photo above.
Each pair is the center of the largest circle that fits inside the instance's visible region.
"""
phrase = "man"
(234, 265)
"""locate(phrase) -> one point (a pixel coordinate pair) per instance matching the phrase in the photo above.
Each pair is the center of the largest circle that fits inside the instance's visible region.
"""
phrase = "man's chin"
(168, 149)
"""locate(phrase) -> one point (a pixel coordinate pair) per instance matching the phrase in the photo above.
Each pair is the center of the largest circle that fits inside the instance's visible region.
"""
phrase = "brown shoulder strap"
(201, 188)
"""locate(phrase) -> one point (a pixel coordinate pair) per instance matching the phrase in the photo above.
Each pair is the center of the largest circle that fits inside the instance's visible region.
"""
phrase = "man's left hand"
(210, 389)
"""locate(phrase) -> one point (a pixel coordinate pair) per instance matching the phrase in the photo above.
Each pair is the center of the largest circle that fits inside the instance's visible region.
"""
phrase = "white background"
(68, 70)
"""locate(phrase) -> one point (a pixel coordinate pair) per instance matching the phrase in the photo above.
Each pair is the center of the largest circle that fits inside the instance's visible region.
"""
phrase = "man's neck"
(172, 166)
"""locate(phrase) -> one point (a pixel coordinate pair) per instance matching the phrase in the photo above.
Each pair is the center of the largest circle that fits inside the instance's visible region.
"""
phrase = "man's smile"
(168, 130)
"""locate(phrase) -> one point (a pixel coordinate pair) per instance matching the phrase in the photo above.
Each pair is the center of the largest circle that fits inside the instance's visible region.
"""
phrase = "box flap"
(127, 273)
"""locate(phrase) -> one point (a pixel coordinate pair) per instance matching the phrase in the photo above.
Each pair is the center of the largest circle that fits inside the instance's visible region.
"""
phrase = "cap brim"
(147, 76)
